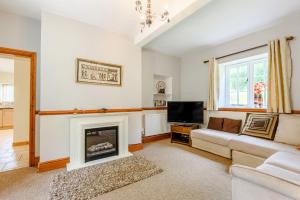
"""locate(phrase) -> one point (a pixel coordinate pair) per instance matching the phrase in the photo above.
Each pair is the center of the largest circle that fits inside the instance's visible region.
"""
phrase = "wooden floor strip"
(53, 164)
(135, 147)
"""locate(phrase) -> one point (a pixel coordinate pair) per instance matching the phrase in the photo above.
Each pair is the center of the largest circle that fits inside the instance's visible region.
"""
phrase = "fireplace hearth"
(101, 143)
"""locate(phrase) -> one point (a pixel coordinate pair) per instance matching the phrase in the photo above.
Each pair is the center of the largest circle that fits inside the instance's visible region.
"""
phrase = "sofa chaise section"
(276, 179)
(251, 151)
(285, 160)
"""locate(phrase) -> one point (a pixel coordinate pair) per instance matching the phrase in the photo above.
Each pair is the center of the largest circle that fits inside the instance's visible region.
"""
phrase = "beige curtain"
(279, 77)
(213, 87)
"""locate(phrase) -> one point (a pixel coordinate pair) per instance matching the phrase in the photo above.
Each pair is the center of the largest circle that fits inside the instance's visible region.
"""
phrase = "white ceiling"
(216, 22)
(112, 15)
(221, 21)
(7, 65)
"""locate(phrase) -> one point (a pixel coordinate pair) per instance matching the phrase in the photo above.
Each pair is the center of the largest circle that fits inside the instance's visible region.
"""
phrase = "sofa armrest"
(279, 185)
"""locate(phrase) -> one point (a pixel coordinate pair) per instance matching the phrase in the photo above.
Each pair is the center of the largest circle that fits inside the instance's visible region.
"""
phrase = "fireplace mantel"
(77, 138)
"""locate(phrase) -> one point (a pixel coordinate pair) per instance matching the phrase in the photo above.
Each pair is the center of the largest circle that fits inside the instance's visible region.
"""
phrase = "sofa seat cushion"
(258, 147)
(213, 136)
(288, 161)
(281, 173)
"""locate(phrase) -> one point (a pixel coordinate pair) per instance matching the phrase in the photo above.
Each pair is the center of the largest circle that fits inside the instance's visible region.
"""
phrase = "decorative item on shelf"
(94, 72)
(147, 16)
(104, 109)
(161, 87)
(75, 111)
(259, 88)
(160, 103)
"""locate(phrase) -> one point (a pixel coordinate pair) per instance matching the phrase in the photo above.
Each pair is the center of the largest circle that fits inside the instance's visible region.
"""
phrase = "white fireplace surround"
(77, 138)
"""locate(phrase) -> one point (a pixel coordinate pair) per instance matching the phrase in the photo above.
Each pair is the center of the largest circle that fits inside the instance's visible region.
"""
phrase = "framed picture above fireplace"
(93, 72)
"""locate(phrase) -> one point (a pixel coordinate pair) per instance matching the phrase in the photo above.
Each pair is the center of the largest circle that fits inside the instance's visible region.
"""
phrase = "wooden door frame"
(32, 56)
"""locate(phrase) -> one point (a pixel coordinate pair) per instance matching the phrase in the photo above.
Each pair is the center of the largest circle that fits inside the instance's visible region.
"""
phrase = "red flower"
(259, 88)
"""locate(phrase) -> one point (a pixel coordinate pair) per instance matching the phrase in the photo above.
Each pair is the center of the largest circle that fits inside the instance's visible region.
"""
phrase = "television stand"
(181, 133)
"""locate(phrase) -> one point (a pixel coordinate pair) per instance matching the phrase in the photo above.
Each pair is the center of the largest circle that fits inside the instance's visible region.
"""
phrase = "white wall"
(6, 77)
(22, 99)
(23, 33)
(159, 64)
(20, 32)
(63, 40)
(194, 74)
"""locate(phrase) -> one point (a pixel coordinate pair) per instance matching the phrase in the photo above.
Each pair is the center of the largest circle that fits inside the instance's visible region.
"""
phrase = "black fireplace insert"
(101, 143)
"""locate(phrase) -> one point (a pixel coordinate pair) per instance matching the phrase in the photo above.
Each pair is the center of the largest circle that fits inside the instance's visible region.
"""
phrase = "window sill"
(259, 110)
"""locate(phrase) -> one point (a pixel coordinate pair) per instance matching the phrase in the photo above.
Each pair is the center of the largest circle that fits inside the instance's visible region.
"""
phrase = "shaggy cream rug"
(89, 182)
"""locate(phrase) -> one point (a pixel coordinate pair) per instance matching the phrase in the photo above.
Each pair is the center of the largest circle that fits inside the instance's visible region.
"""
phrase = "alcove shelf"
(161, 99)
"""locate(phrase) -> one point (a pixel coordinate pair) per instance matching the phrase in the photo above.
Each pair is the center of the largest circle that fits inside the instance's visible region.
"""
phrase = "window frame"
(250, 62)
(3, 99)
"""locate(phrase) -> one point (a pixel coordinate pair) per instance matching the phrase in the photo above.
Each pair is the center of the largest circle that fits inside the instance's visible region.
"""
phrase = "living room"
(153, 58)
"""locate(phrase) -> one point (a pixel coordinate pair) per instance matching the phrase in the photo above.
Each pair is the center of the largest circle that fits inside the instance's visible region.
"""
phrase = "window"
(6, 94)
(243, 82)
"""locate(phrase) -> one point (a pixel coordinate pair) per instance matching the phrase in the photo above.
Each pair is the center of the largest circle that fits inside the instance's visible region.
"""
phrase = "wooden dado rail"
(120, 110)
(75, 111)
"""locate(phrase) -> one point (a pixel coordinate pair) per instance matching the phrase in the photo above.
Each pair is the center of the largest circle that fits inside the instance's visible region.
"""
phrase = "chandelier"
(147, 16)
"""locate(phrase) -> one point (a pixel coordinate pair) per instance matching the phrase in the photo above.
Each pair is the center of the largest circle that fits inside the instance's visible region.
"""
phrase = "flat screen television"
(185, 112)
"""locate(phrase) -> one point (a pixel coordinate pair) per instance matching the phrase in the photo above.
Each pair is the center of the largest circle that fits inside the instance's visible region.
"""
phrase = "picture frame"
(99, 73)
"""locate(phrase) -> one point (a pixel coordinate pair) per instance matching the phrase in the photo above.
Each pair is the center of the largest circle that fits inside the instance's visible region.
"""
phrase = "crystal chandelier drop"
(147, 16)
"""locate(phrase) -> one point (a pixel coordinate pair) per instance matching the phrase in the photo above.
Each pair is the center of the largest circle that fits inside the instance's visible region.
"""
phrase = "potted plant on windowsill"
(259, 88)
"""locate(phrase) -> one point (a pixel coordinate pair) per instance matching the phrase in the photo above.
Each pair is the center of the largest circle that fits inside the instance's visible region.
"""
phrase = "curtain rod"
(257, 47)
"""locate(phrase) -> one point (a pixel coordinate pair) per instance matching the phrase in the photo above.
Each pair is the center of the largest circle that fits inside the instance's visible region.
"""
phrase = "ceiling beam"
(156, 30)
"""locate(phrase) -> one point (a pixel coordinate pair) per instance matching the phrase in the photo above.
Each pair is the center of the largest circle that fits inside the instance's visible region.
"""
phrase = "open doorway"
(17, 109)
(14, 112)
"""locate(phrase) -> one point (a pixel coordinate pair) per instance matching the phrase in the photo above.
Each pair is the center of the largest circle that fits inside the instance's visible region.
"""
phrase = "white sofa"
(242, 149)
(278, 178)
(263, 169)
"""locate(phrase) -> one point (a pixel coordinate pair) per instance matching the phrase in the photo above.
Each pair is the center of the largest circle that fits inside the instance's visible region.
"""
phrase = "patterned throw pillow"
(261, 125)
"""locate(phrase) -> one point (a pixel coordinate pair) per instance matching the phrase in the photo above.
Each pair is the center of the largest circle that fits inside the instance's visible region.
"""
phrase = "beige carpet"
(189, 174)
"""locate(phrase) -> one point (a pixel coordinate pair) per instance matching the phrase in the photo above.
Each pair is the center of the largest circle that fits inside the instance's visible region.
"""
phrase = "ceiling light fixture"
(147, 16)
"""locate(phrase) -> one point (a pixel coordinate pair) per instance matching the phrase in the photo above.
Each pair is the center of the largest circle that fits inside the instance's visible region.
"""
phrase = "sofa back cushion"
(288, 130)
(261, 125)
(231, 125)
(227, 114)
(215, 123)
